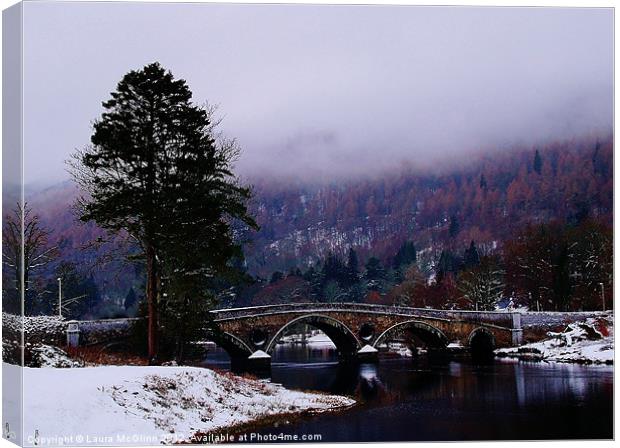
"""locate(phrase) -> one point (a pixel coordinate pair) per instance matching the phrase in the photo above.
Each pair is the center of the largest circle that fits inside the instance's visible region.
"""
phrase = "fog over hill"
(491, 196)
(359, 126)
(316, 91)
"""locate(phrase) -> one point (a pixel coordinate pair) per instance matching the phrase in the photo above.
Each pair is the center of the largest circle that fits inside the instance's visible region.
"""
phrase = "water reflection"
(368, 373)
(442, 399)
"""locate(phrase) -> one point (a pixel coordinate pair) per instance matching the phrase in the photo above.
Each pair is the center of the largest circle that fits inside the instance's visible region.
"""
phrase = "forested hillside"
(488, 199)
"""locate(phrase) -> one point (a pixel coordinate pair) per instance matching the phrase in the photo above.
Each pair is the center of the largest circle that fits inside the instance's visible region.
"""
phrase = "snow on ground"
(590, 341)
(50, 356)
(320, 340)
(129, 405)
(316, 339)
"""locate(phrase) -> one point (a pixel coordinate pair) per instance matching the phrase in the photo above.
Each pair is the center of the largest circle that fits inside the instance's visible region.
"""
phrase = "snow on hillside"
(588, 342)
(143, 405)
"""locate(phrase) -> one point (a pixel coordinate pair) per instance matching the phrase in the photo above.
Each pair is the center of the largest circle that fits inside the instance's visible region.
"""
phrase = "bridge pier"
(368, 354)
(258, 363)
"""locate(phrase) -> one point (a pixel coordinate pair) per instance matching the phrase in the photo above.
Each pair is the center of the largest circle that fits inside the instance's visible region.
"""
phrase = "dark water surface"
(445, 400)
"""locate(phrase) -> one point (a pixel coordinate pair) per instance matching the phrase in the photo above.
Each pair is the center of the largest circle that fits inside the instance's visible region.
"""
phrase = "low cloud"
(324, 91)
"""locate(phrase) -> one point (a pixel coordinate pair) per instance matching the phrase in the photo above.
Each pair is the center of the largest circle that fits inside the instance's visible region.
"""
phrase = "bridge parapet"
(499, 318)
(359, 329)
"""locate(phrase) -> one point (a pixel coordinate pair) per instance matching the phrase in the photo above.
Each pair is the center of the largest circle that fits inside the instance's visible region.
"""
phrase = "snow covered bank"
(50, 356)
(37, 330)
(587, 342)
(131, 405)
(316, 339)
(320, 340)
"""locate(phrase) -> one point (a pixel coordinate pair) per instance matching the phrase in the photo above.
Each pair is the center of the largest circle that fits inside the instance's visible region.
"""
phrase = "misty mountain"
(486, 199)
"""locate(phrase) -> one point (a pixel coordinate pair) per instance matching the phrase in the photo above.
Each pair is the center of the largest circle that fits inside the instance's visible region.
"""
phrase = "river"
(444, 399)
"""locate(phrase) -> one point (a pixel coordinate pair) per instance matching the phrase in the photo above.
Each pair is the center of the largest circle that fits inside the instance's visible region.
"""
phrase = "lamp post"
(59, 296)
(603, 294)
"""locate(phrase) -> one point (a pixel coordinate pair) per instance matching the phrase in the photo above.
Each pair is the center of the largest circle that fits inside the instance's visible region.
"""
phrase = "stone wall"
(546, 318)
(537, 324)
(98, 331)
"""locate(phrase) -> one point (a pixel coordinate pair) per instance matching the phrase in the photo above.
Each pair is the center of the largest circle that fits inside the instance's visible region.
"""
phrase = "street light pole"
(59, 296)
(603, 294)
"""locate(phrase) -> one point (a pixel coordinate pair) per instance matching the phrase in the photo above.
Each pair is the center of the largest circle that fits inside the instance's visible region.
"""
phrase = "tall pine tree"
(472, 256)
(455, 226)
(353, 274)
(155, 171)
(406, 255)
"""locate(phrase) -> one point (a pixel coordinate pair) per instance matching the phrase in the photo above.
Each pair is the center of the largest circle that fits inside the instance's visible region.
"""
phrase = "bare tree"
(483, 285)
(36, 249)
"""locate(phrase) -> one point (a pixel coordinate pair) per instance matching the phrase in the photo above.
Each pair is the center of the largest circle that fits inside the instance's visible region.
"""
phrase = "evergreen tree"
(93, 297)
(332, 292)
(406, 255)
(356, 292)
(375, 274)
(599, 162)
(483, 182)
(448, 264)
(294, 272)
(352, 269)
(309, 274)
(155, 171)
(472, 257)
(131, 300)
(537, 162)
(314, 276)
(455, 226)
(334, 269)
(276, 277)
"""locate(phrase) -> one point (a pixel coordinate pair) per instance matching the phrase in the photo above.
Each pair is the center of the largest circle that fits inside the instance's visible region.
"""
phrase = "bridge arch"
(432, 336)
(234, 346)
(341, 335)
(481, 342)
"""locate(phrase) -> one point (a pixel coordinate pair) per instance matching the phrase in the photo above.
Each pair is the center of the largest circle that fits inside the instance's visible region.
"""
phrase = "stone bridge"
(358, 330)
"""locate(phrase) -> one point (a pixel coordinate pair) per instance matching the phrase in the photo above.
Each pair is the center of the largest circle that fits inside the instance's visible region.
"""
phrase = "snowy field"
(132, 405)
(587, 342)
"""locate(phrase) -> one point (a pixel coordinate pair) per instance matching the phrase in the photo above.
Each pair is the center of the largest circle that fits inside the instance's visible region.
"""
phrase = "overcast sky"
(326, 89)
